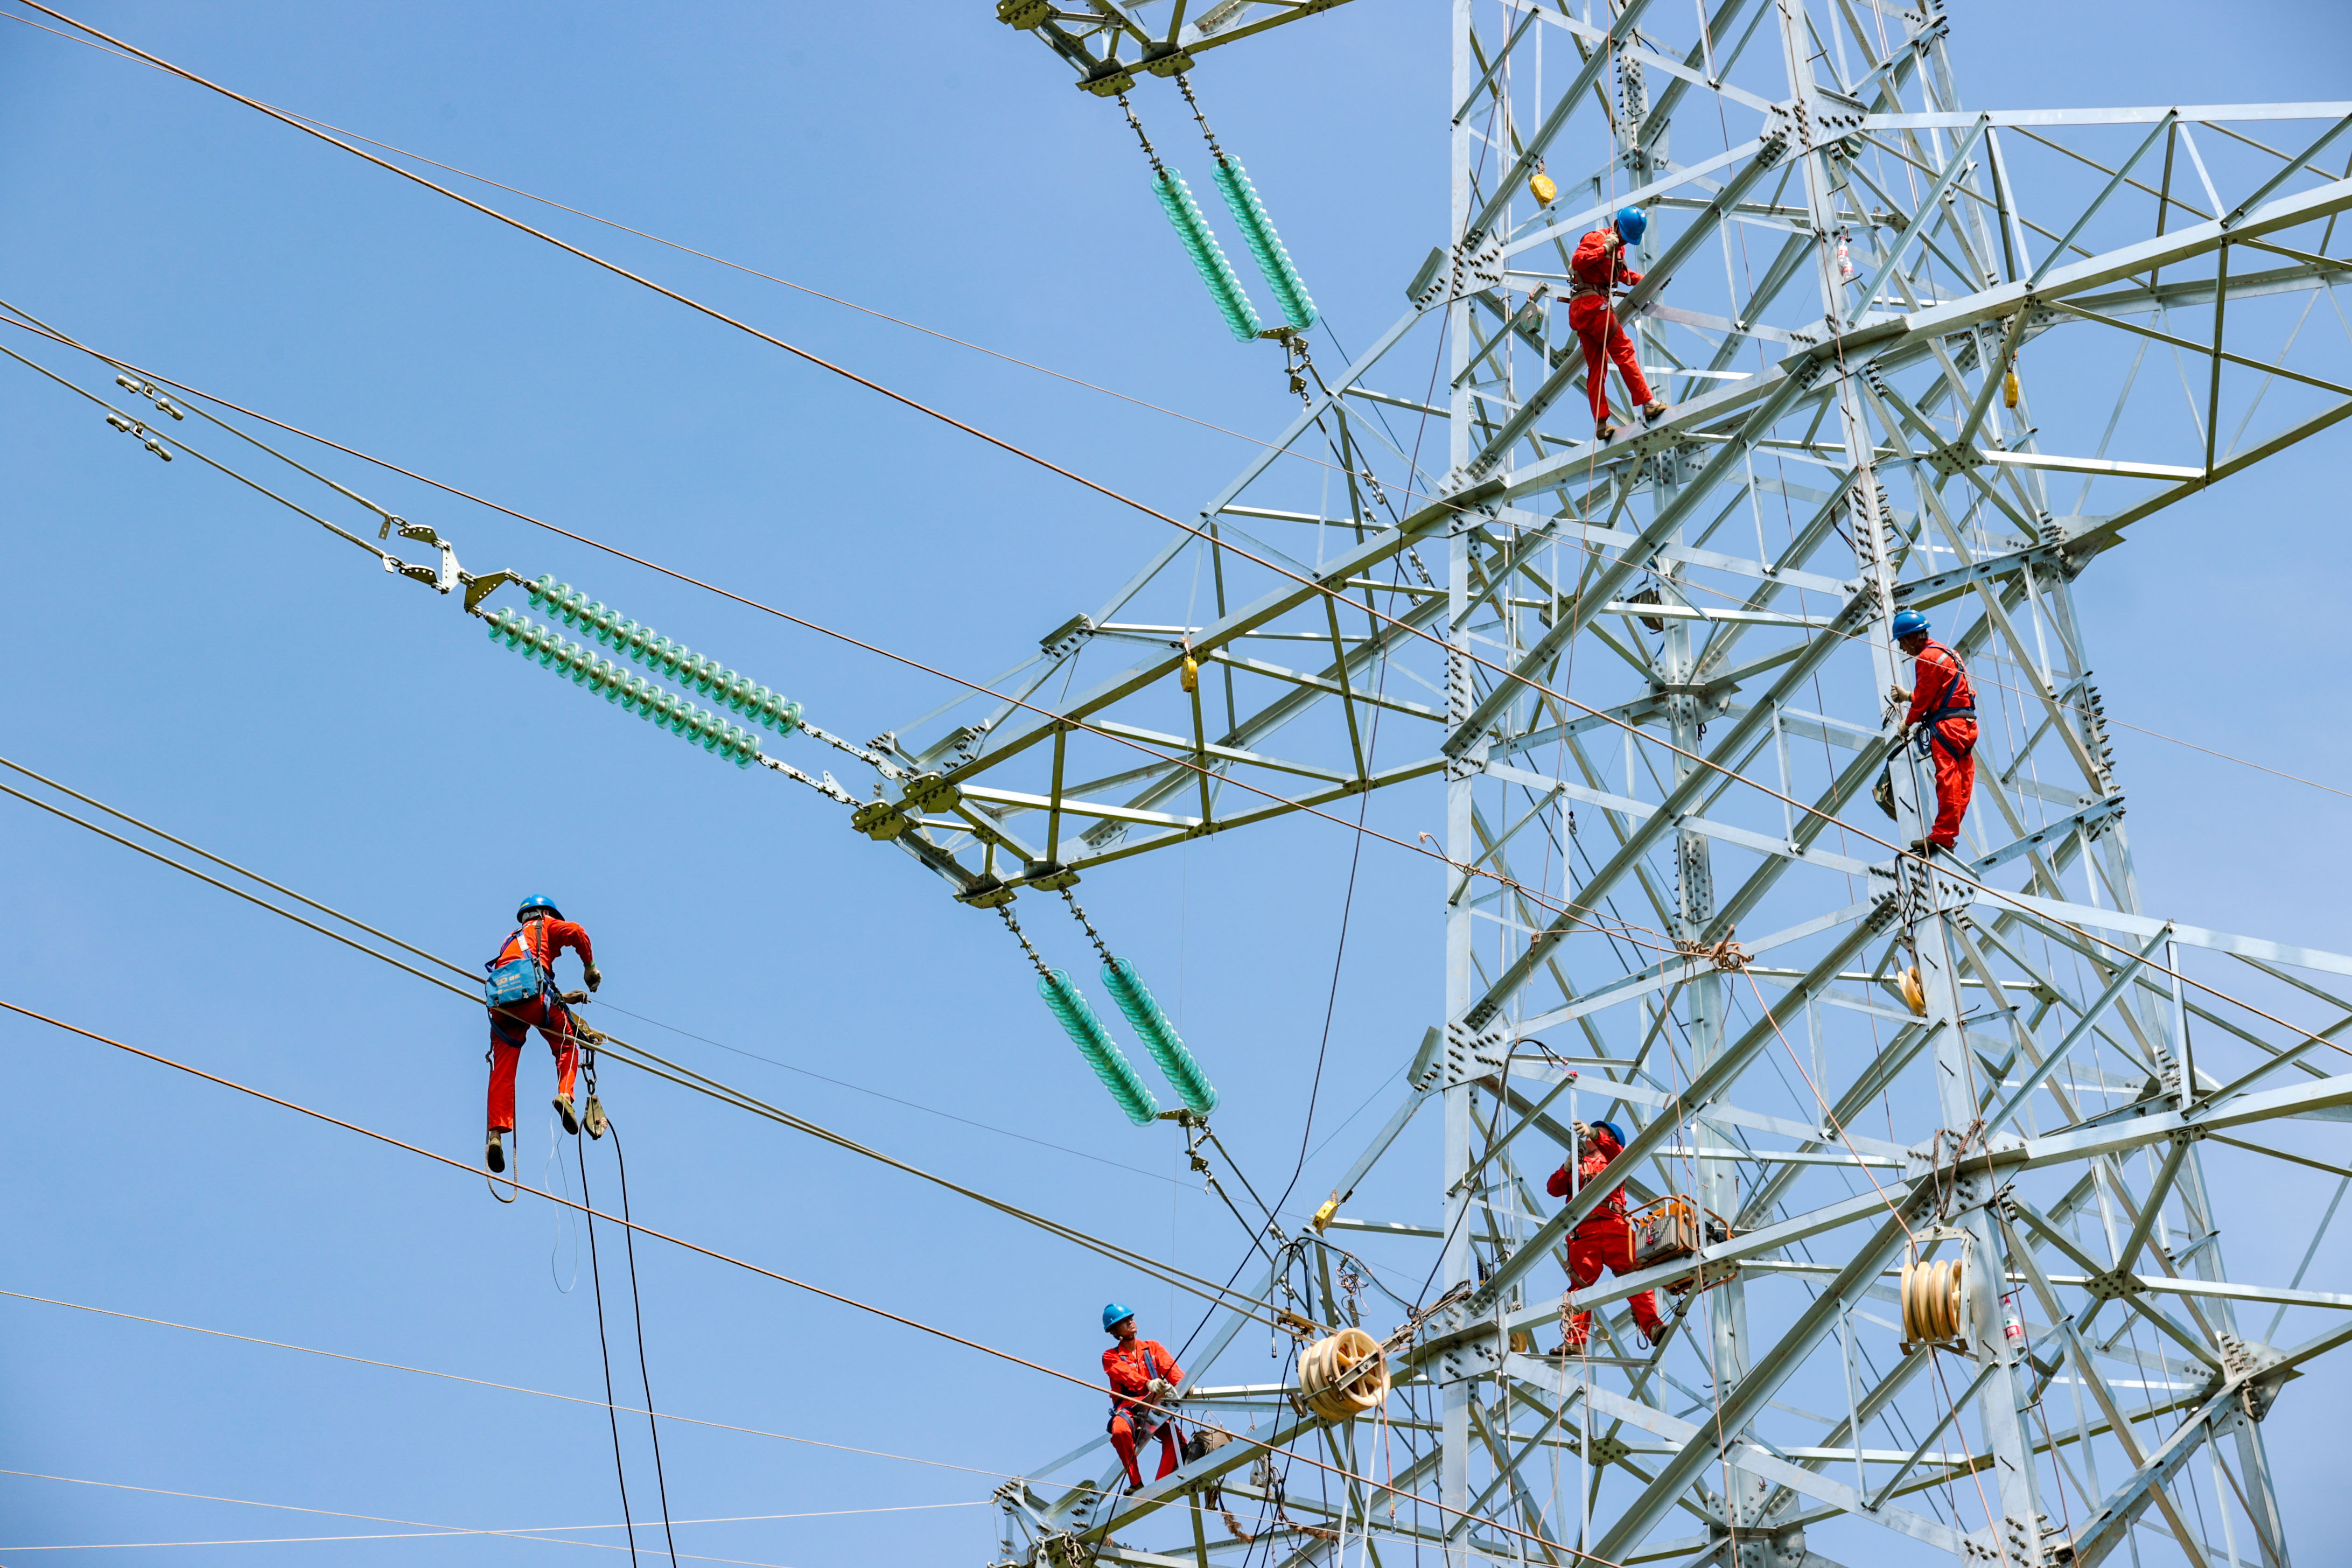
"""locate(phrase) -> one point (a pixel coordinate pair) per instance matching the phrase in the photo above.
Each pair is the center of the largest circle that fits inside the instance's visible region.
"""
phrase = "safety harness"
(1145, 1423)
(1929, 735)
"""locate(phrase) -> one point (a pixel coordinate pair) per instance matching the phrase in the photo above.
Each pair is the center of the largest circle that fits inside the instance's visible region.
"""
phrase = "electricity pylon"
(1918, 356)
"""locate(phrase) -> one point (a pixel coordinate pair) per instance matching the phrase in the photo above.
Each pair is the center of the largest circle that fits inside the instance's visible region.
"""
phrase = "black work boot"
(570, 1117)
(494, 1153)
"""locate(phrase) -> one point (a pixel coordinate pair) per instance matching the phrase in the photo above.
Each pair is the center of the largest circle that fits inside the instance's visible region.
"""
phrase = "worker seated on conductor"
(1604, 1238)
(522, 995)
(1143, 1381)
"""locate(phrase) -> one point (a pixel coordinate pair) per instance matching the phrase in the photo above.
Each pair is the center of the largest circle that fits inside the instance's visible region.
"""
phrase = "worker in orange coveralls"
(1600, 267)
(1604, 1237)
(1142, 1376)
(522, 994)
(1943, 715)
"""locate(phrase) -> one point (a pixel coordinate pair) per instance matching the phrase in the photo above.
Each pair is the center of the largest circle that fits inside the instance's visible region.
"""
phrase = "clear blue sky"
(198, 658)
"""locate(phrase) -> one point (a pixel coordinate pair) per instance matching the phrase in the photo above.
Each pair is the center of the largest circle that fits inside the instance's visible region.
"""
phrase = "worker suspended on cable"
(1600, 267)
(1604, 1238)
(522, 995)
(1942, 719)
(1144, 1379)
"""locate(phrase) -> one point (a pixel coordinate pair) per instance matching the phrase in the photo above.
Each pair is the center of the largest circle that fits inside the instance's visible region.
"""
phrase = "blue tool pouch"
(517, 980)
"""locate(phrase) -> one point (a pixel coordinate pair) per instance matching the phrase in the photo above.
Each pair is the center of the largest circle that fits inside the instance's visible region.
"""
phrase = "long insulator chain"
(1086, 1032)
(633, 692)
(1150, 1023)
(1257, 228)
(1199, 243)
(659, 654)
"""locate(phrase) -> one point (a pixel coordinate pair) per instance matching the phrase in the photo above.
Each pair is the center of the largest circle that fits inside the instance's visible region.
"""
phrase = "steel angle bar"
(2095, 814)
(1563, 110)
(2223, 1290)
(1720, 1111)
(1276, 603)
(2230, 219)
(1746, 1244)
(2051, 1236)
(1705, 1086)
(1745, 731)
(1929, 208)
(1562, 229)
(2074, 1037)
(1266, 812)
(1746, 839)
(1672, 971)
(2290, 1056)
(2090, 540)
(1603, 586)
(1637, 54)
(1745, 1400)
(2114, 183)
(1301, 423)
(1686, 244)
(1749, 1456)
(2143, 926)
(1501, 56)
(1951, 1413)
(2132, 1127)
(2266, 366)
(2105, 1530)
(1955, 120)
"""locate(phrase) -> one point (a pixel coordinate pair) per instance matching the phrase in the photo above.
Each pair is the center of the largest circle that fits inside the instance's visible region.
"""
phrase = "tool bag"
(1673, 1228)
(517, 980)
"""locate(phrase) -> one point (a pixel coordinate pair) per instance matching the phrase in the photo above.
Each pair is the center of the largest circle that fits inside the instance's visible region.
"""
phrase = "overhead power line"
(1583, 914)
(505, 1387)
(673, 1072)
(1579, 913)
(326, 1513)
(398, 151)
(1250, 1440)
(1621, 929)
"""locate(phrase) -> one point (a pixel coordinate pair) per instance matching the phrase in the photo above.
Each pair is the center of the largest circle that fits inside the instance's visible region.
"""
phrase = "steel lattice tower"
(1650, 678)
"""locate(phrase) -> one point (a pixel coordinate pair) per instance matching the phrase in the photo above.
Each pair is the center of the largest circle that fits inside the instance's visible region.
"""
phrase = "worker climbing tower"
(1921, 1151)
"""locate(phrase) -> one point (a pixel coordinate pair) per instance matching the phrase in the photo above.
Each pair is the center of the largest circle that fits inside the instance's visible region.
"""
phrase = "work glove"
(1161, 1391)
(594, 976)
(1582, 1131)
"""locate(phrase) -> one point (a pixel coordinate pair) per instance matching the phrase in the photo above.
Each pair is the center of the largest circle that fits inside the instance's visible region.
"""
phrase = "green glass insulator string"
(1257, 233)
(648, 648)
(1257, 229)
(1150, 1023)
(631, 692)
(1086, 1030)
(1094, 1042)
(1158, 1036)
(1199, 240)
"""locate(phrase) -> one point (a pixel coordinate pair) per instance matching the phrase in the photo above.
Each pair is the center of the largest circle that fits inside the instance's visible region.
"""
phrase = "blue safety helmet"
(1910, 621)
(1632, 224)
(1610, 1128)
(538, 901)
(1115, 1314)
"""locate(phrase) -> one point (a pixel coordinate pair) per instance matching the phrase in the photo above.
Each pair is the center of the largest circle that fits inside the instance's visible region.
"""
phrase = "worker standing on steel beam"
(1144, 1379)
(522, 994)
(1943, 718)
(1600, 267)
(1604, 1238)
